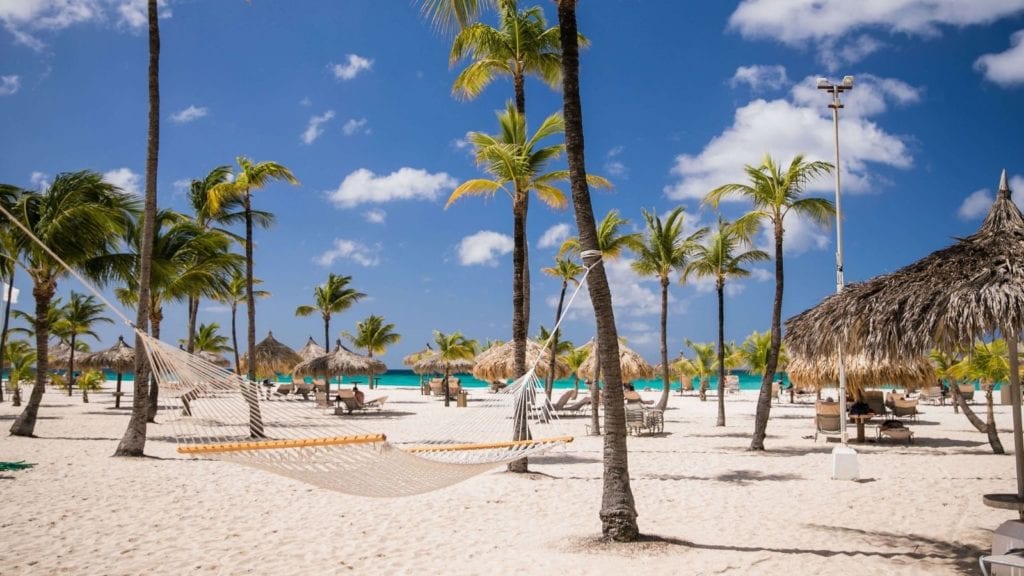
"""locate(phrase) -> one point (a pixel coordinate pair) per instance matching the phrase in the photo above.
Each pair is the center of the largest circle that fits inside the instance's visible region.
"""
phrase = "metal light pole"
(835, 90)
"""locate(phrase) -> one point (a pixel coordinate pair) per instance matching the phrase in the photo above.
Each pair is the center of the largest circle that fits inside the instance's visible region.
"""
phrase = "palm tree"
(186, 260)
(77, 318)
(374, 335)
(235, 293)
(8, 262)
(209, 339)
(21, 367)
(775, 194)
(566, 270)
(721, 259)
(702, 365)
(989, 363)
(516, 163)
(81, 219)
(575, 359)
(250, 177)
(133, 442)
(663, 252)
(451, 347)
(229, 213)
(331, 297)
(754, 352)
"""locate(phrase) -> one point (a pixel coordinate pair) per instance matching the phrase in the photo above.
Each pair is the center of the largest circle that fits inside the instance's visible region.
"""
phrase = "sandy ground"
(706, 505)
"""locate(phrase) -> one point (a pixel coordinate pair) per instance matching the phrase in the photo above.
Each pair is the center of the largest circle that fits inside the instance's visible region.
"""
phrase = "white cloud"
(353, 125)
(635, 296)
(189, 114)
(217, 309)
(363, 186)
(976, 204)
(124, 179)
(760, 77)
(825, 23)
(24, 18)
(801, 126)
(375, 216)
(182, 185)
(612, 165)
(554, 236)
(40, 180)
(799, 235)
(350, 250)
(1005, 68)
(483, 248)
(354, 65)
(305, 101)
(9, 84)
(315, 127)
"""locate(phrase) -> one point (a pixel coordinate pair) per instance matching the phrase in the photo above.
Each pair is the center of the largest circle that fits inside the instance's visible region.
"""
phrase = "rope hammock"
(218, 414)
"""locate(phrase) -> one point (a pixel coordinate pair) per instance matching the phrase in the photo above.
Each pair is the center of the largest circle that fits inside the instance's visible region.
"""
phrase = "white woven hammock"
(218, 414)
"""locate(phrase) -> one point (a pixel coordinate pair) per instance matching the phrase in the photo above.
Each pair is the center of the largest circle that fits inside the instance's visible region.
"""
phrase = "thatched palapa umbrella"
(498, 362)
(213, 358)
(120, 358)
(861, 371)
(340, 362)
(633, 366)
(311, 350)
(946, 300)
(60, 355)
(271, 356)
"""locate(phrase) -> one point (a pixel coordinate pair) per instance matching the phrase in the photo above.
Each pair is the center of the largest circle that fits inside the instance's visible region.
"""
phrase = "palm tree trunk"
(155, 318)
(133, 443)
(990, 424)
(193, 313)
(25, 423)
(327, 334)
(720, 287)
(520, 92)
(665, 382)
(234, 338)
(764, 399)
(554, 341)
(618, 510)
(520, 427)
(251, 392)
(444, 386)
(3, 333)
(71, 365)
(988, 428)
(595, 394)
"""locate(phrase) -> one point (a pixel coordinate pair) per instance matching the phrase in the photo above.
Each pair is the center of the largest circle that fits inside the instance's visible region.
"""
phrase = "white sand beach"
(706, 505)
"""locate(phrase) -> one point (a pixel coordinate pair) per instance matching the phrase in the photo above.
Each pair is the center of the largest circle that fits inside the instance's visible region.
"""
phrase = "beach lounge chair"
(875, 399)
(284, 389)
(932, 395)
(776, 390)
(804, 393)
(563, 400)
(633, 397)
(732, 384)
(896, 430)
(686, 387)
(901, 407)
(578, 407)
(967, 392)
(303, 389)
(826, 419)
(376, 404)
(1014, 559)
(636, 421)
(497, 386)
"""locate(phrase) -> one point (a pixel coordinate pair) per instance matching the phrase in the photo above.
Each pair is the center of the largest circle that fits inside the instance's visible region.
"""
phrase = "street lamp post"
(835, 90)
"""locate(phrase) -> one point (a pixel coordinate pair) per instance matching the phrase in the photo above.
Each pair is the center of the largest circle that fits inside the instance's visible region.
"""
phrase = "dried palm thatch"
(498, 362)
(633, 366)
(214, 358)
(945, 300)
(412, 359)
(311, 350)
(271, 356)
(861, 372)
(120, 358)
(432, 363)
(340, 362)
(59, 355)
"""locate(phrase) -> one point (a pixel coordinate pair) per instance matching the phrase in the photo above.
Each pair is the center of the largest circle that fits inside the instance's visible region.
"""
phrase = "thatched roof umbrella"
(59, 355)
(120, 358)
(433, 364)
(861, 371)
(271, 356)
(633, 366)
(498, 362)
(311, 350)
(340, 362)
(945, 300)
(413, 359)
(213, 358)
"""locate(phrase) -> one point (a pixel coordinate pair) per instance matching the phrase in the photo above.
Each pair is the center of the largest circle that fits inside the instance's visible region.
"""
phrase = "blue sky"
(355, 97)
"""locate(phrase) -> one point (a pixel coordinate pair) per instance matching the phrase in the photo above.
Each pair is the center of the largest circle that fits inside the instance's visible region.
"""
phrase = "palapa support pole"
(1018, 440)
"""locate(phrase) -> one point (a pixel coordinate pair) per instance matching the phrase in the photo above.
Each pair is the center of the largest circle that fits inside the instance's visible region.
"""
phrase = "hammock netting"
(218, 414)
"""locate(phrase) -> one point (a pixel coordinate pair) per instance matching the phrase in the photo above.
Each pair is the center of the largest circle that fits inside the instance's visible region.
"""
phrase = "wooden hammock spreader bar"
(487, 446)
(278, 444)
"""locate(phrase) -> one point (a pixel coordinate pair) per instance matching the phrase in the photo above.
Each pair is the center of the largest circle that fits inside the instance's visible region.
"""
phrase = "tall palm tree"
(186, 260)
(234, 294)
(567, 270)
(618, 510)
(375, 336)
(575, 359)
(133, 442)
(722, 258)
(250, 177)
(754, 352)
(451, 347)
(702, 365)
(331, 297)
(663, 252)
(775, 193)
(77, 319)
(229, 213)
(8, 263)
(81, 219)
(516, 162)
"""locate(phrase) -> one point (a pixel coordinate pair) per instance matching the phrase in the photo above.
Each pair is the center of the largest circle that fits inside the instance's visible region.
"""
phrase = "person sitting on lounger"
(358, 394)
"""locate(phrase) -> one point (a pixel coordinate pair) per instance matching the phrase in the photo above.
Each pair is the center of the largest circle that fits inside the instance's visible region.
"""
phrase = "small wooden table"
(861, 419)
